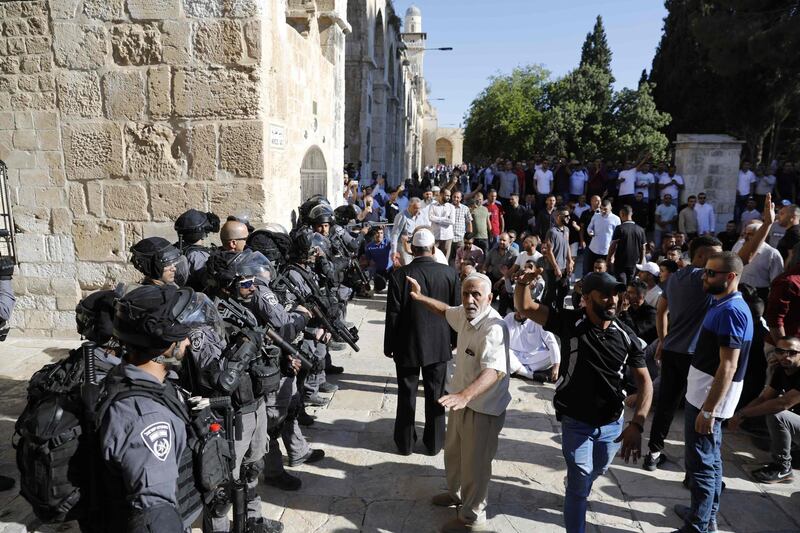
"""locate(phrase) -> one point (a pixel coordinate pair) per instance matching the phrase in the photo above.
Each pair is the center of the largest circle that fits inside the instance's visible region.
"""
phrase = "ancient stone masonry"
(118, 115)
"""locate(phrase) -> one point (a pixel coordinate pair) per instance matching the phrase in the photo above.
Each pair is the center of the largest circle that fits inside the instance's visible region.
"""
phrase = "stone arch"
(444, 150)
(313, 174)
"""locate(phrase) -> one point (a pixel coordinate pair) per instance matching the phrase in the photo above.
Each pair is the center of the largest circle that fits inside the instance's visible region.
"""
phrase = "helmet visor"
(198, 311)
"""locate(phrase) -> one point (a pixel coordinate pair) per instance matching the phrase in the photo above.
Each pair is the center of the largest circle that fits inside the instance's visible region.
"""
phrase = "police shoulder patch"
(271, 298)
(197, 338)
(158, 439)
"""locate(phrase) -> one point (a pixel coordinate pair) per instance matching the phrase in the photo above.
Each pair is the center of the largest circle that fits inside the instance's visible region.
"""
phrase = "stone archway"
(313, 174)
(444, 150)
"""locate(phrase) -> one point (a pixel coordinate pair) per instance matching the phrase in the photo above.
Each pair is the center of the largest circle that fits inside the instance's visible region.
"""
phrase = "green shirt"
(480, 222)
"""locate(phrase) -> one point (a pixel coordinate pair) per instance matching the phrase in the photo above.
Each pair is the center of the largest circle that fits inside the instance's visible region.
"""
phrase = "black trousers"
(555, 290)
(624, 273)
(674, 371)
(405, 434)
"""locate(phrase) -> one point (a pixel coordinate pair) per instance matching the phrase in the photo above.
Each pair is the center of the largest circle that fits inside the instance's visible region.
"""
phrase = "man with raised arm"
(590, 390)
(477, 400)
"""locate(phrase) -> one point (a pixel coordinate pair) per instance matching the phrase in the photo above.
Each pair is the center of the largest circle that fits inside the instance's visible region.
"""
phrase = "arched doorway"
(313, 174)
(444, 151)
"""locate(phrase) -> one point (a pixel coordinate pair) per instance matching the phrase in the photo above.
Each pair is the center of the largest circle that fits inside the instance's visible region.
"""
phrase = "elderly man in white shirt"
(404, 225)
(442, 215)
(601, 229)
(764, 266)
(477, 399)
(706, 218)
(534, 352)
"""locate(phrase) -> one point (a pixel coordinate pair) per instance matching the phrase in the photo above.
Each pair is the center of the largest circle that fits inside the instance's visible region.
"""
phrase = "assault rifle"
(320, 311)
(232, 311)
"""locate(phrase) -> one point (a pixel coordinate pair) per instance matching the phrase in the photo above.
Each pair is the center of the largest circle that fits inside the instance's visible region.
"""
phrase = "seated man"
(533, 352)
(779, 402)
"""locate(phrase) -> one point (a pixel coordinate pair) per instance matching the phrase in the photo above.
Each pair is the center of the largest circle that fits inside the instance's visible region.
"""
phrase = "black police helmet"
(151, 255)
(194, 225)
(321, 214)
(94, 316)
(226, 266)
(302, 242)
(305, 209)
(345, 213)
(146, 318)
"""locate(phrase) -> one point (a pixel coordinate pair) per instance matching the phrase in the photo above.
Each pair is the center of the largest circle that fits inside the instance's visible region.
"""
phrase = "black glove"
(6, 268)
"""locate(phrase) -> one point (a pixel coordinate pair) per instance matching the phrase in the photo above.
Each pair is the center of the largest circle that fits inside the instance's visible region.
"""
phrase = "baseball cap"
(422, 238)
(600, 281)
(649, 267)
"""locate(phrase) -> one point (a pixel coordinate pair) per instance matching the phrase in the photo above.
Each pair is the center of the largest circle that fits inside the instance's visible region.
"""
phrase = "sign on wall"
(277, 137)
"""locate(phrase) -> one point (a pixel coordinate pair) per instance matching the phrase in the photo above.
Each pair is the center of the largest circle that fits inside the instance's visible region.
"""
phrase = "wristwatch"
(708, 415)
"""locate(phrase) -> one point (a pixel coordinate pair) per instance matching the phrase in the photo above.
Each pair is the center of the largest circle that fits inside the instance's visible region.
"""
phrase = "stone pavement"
(363, 486)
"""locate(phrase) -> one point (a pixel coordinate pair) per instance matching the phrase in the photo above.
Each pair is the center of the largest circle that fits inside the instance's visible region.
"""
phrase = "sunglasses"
(783, 351)
(246, 283)
(710, 273)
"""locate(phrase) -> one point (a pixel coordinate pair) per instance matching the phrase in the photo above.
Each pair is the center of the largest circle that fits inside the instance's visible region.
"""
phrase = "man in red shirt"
(783, 306)
(496, 214)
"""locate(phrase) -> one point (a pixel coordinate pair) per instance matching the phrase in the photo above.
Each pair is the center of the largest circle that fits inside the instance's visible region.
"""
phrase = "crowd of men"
(195, 377)
(637, 292)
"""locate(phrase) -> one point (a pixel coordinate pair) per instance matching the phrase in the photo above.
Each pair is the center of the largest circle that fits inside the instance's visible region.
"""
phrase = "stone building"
(441, 144)
(118, 115)
(385, 90)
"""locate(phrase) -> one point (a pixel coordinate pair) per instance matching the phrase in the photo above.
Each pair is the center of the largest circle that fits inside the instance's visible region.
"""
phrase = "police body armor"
(203, 467)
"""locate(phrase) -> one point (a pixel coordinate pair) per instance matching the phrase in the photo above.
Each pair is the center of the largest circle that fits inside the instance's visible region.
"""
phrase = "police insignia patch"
(158, 439)
(272, 299)
(197, 337)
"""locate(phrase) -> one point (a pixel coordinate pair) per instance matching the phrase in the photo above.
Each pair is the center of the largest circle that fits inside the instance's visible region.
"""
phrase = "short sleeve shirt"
(592, 386)
(643, 182)
(666, 212)
(783, 382)
(672, 190)
(557, 237)
(479, 218)
(482, 343)
(728, 324)
(544, 181)
(630, 239)
(627, 187)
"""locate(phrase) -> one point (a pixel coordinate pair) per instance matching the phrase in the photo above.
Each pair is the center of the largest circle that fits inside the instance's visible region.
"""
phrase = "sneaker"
(333, 370)
(684, 512)
(328, 387)
(445, 500)
(285, 481)
(312, 456)
(457, 525)
(651, 464)
(774, 473)
(315, 400)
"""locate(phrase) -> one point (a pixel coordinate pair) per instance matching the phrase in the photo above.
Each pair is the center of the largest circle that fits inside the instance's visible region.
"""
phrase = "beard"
(605, 313)
(715, 289)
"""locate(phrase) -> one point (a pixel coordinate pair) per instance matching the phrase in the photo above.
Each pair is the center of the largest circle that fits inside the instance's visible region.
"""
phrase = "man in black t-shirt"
(779, 402)
(728, 237)
(590, 390)
(627, 246)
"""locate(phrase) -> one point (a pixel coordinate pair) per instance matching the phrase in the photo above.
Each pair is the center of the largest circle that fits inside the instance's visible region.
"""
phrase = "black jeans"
(483, 244)
(624, 273)
(674, 371)
(555, 290)
(405, 434)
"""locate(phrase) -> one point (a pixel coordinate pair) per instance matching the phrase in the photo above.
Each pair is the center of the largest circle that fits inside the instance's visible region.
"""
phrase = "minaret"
(415, 39)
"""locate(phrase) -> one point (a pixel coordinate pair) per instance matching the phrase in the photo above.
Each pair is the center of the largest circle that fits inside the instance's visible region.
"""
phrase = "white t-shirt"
(643, 182)
(745, 180)
(524, 257)
(670, 189)
(544, 181)
(627, 187)
(482, 343)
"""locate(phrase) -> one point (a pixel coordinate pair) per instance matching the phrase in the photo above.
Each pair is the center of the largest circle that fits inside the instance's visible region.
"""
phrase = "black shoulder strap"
(127, 388)
(312, 284)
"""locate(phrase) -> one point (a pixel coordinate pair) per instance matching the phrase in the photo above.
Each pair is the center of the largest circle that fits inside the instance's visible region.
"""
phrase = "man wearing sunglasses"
(713, 388)
(779, 402)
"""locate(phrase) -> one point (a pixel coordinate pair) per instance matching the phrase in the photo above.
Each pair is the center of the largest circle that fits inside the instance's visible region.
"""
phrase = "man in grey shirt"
(559, 263)
(686, 304)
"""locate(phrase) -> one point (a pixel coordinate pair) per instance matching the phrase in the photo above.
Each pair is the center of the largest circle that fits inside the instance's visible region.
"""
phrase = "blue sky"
(491, 36)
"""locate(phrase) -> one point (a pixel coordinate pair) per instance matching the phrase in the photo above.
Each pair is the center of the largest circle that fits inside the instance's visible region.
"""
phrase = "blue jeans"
(704, 470)
(588, 451)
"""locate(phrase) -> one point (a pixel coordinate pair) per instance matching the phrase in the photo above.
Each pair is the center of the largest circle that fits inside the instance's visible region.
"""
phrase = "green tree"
(595, 51)
(637, 125)
(507, 117)
(578, 113)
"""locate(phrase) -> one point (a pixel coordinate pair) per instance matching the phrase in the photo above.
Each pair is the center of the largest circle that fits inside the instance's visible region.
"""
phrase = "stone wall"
(710, 164)
(118, 115)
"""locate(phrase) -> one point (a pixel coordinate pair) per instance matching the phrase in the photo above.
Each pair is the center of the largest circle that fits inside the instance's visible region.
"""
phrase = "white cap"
(423, 238)
(649, 267)
(435, 189)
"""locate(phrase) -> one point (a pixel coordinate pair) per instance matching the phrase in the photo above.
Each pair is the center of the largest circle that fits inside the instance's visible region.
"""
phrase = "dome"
(413, 11)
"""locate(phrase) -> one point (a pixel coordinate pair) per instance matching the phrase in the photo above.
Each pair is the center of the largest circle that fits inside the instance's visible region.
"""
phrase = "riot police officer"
(240, 371)
(148, 475)
(283, 406)
(94, 316)
(193, 227)
(160, 262)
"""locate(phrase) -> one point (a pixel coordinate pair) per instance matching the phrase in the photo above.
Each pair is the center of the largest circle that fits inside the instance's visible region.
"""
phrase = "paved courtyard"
(363, 486)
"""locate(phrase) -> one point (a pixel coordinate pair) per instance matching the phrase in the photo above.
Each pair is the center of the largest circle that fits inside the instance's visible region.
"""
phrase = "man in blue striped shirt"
(714, 387)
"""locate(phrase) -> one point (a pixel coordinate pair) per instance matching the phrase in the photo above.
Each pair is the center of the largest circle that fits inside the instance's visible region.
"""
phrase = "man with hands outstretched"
(477, 401)
(590, 391)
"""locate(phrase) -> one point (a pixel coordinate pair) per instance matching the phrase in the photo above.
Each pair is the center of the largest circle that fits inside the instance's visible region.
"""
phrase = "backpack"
(48, 439)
